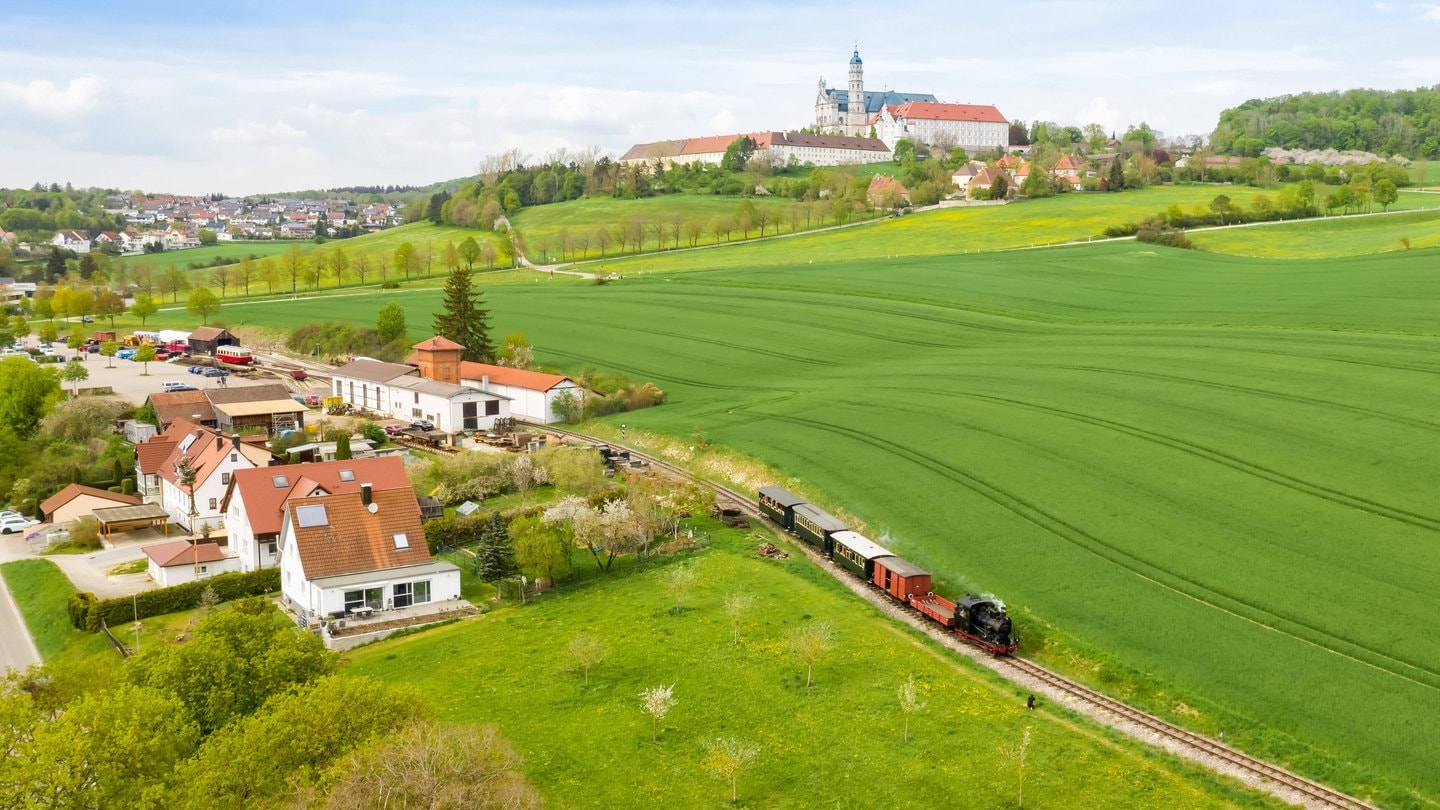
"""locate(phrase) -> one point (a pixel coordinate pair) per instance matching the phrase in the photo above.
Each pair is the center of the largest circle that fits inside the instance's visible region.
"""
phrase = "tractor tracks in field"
(1176, 583)
(1145, 727)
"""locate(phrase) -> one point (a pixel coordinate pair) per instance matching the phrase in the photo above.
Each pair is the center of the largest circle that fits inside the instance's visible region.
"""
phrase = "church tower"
(855, 117)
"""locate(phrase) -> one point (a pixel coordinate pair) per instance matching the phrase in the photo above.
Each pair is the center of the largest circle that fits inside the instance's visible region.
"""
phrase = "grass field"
(827, 745)
(1320, 239)
(1197, 463)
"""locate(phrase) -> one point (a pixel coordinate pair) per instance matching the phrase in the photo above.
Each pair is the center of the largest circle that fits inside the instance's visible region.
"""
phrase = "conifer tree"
(463, 319)
(494, 556)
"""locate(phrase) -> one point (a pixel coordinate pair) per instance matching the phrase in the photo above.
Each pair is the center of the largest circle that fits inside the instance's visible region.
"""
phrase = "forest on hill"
(1386, 122)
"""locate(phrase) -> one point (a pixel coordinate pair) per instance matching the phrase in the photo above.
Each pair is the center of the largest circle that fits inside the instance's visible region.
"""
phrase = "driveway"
(17, 649)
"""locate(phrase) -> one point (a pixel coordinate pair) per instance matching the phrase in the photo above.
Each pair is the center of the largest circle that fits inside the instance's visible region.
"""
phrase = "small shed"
(431, 507)
(207, 339)
(778, 504)
(901, 578)
(176, 562)
(127, 518)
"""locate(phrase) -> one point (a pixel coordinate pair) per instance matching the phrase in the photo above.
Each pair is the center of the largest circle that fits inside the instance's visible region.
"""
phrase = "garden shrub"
(179, 597)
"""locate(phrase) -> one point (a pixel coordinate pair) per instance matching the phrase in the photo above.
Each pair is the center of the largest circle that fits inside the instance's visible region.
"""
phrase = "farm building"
(357, 553)
(532, 394)
(77, 501)
(256, 409)
(176, 562)
(207, 339)
(191, 406)
(399, 392)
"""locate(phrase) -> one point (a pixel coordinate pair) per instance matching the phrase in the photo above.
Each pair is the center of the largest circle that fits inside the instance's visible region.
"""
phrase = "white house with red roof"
(355, 553)
(974, 127)
(176, 562)
(530, 394)
(214, 459)
(74, 241)
(255, 502)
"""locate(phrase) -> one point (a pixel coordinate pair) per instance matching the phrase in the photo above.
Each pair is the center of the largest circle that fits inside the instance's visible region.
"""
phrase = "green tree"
(390, 322)
(542, 551)
(144, 307)
(463, 319)
(174, 281)
(145, 355)
(1385, 193)
(76, 341)
(48, 332)
(108, 350)
(75, 373)
(1220, 206)
(342, 447)
(27, 393)
(405, 258)
(236, 661)
(738, 153)
(109, 304)
(469, 252)
(1117, 175)
(904, 151)
(203, 303)
(495, 555)
(293, 263)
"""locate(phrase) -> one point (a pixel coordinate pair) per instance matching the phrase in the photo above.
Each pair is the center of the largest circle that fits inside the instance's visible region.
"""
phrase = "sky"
(250, 98)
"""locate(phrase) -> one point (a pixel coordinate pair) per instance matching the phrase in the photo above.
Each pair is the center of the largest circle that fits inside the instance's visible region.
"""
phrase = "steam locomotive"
(978, 619)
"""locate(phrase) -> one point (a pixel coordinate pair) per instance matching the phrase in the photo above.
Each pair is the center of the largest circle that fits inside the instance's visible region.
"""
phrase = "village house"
(886, 192)
(399, 392)
(214, 460)
(78, 501)
(357, 553)
(73, 241)
(254, 503)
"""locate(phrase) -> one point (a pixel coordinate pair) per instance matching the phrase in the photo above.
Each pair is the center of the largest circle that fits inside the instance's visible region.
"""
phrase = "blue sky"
(247, 98)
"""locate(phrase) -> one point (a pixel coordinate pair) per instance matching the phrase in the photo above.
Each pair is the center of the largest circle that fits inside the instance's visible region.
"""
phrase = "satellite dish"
(373, 507)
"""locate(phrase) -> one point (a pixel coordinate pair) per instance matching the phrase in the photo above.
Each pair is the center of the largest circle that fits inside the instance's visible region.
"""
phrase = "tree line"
(1386, 122)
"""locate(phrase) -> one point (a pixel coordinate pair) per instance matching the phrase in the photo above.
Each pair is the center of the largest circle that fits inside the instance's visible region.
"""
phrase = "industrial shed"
(207, 339)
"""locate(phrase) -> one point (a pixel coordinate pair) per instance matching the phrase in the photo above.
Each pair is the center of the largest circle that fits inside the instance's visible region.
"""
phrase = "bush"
(179, 597)
(79, 605)
(1156, 232)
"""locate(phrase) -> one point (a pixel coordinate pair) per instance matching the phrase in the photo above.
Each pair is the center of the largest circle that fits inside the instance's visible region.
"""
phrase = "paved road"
(17, 649)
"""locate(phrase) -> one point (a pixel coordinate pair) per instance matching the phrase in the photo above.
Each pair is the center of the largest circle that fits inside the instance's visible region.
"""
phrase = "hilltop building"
(776, 147)
(849, 111)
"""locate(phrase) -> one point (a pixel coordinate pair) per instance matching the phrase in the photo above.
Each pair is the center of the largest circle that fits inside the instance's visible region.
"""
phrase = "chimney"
(219, 441)
(365, 494)
(235, 441)
(485, 382)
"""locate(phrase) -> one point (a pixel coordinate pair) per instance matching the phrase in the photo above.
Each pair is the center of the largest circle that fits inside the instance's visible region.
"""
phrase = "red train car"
(900, 578)
(936, 608)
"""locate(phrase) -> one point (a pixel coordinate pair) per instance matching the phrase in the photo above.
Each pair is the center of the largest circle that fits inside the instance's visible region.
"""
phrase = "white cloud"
(1430, 13)
(1100, 112)
(41, 96)
(258, 132)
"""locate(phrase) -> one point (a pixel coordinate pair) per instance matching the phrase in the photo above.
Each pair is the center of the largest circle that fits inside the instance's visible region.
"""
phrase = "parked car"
(86, 319)
(162, 355)
(10, 513)
(10, 525)
(196, 369)
(312, 400)
(126, 354)
(393, 430)
(422, 424)
(215, 372)
(92, 349)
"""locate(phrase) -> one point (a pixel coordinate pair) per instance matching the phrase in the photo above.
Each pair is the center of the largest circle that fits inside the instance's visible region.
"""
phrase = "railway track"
(1211, 753)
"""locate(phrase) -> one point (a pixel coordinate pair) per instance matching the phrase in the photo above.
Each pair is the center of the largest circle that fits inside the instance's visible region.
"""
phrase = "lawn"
(826, 745)
(1326, 238)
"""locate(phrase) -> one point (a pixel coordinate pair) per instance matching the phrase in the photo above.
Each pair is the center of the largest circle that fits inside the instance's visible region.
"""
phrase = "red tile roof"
(518, 377)
(206, 453)
(70, 493)
(264, 503)
(438, 342)
(713, 143)
(353, 540)
(933, 110)
(180, 552)
(150, 455)
(191, 406)
(882, 182)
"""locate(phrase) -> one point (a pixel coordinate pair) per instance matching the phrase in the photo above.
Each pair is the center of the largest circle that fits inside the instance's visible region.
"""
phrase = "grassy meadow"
(1327, 238)
(825, 745)
(1210, 473)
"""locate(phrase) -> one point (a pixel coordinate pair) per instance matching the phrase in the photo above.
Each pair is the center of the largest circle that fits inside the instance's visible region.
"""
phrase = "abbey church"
(856, 112)
(848, 112)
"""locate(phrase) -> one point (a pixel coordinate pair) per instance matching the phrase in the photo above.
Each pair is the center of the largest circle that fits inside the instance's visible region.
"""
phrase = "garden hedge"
(86, 612)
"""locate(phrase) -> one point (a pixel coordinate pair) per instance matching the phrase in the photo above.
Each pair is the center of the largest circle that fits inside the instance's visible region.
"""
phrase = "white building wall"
(181, 574)
(175, 500)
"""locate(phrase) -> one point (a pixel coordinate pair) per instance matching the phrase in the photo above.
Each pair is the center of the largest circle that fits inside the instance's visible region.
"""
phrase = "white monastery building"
(775, 147)
(850, 111)
(975, 128)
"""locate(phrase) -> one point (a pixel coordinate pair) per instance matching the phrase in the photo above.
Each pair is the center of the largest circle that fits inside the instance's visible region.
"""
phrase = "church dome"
(855, 59)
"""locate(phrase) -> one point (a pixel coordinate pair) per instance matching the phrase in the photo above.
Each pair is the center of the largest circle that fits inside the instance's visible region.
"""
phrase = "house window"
(492, 407)
(415, 413)
(369, 597)
(421, 591)
(234, 456)
(417, 397)
(212, 504)
(224, 479)
(270, 549)
(404, 596)
(204, 568)
(401, 541)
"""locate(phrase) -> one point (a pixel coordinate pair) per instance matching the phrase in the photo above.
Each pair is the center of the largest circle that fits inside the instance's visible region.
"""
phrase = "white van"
(176, 385)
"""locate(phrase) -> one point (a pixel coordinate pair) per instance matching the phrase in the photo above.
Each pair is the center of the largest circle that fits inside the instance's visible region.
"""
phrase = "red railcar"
(936, 608)
(900, 578)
